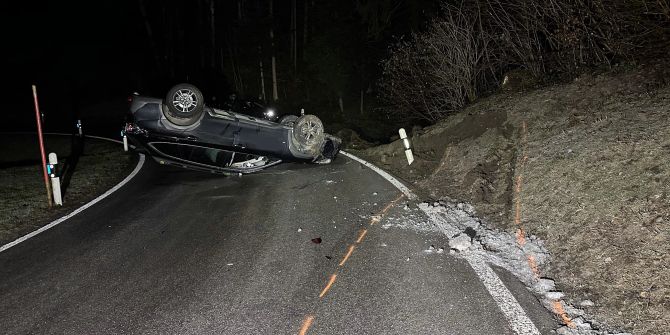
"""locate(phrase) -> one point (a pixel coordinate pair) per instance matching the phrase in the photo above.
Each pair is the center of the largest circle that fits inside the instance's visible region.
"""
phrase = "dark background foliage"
(84, 53)
(332, 57)
(469, 49)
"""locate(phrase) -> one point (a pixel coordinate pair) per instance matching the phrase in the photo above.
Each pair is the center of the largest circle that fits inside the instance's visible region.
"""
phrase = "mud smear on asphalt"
(594, 179)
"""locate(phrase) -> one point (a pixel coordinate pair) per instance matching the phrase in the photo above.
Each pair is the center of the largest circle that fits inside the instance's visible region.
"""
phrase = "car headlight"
(269, 113)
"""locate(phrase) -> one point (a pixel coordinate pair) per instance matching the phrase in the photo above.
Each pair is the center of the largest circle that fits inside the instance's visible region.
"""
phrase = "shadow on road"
(70, 165)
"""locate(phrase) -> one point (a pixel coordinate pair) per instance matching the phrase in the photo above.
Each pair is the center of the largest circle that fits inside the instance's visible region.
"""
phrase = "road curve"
(184, 252)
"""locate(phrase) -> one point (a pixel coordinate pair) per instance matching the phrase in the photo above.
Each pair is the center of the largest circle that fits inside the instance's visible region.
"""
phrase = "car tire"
(288, 120)
(308, 134)
(183, 105)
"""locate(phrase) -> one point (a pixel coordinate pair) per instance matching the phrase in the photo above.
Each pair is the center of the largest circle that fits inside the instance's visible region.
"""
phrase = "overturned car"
(181, 130)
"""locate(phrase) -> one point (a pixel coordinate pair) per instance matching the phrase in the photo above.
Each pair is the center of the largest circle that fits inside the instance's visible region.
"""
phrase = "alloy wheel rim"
(185, 101)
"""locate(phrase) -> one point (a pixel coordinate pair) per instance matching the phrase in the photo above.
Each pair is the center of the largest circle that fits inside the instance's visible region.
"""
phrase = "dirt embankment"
(585, 166)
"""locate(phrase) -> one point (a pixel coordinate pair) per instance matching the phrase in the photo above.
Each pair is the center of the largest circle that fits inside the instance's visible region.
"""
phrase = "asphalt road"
(186, 252)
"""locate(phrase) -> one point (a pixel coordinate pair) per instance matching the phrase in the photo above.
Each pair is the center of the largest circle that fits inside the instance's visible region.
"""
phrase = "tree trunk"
(260, 62)
(305, 27)
(340, 102)
(294, 35)
(233, 64)
(199, 30)
(212, 35)
(150, 34)
(169, 39)
(275, 93)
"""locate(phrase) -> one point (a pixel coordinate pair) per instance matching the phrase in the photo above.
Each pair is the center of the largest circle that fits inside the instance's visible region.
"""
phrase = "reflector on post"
(405, 142)
(55, 179)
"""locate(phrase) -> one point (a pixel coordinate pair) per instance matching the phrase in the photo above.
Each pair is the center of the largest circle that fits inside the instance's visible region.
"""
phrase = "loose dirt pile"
(584, 166)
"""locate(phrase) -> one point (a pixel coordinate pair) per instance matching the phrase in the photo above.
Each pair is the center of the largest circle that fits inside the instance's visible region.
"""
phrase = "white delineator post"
(55, 180)
(405, 142)
(125, 141)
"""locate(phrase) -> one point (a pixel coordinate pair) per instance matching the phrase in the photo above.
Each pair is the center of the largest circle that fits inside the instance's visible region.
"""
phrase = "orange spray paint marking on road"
(391, 204)
(330, 283)
(306, 324)
(520, 237)
(532, 263)
(558, 309)
(347, 255)
(362, 235)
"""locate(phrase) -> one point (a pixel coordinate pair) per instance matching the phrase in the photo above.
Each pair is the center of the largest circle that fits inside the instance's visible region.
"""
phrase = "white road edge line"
(510, 307)
(404, 189)
(137, 169)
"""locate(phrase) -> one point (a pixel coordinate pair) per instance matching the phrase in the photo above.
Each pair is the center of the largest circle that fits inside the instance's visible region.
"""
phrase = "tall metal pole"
(38, 117)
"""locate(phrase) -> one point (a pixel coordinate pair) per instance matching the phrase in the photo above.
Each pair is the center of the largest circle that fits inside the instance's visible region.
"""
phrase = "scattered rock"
(460, 243)
(580, 323)
(554, 295)
(299, 230)
(544, 285)
(587, 303)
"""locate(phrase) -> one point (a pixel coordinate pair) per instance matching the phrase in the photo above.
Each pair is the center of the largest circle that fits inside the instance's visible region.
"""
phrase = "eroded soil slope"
(585, 166)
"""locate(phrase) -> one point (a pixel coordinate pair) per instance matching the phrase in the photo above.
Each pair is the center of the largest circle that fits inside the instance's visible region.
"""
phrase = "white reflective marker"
(408, 149)
(55, 180)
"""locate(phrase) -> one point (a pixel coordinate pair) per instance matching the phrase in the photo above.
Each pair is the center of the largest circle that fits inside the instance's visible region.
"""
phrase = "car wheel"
(288, 120)
(308, 134)
(183, 104)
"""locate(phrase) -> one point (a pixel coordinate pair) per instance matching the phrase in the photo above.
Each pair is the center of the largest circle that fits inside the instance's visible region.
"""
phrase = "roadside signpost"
(408, 149)
(38, 118)
(55, 179)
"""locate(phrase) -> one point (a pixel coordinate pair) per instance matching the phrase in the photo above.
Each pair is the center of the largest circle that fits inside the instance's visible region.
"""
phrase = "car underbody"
(222, 141)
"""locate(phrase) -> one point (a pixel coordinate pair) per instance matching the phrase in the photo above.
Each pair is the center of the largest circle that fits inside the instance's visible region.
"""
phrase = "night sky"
(76, 53)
